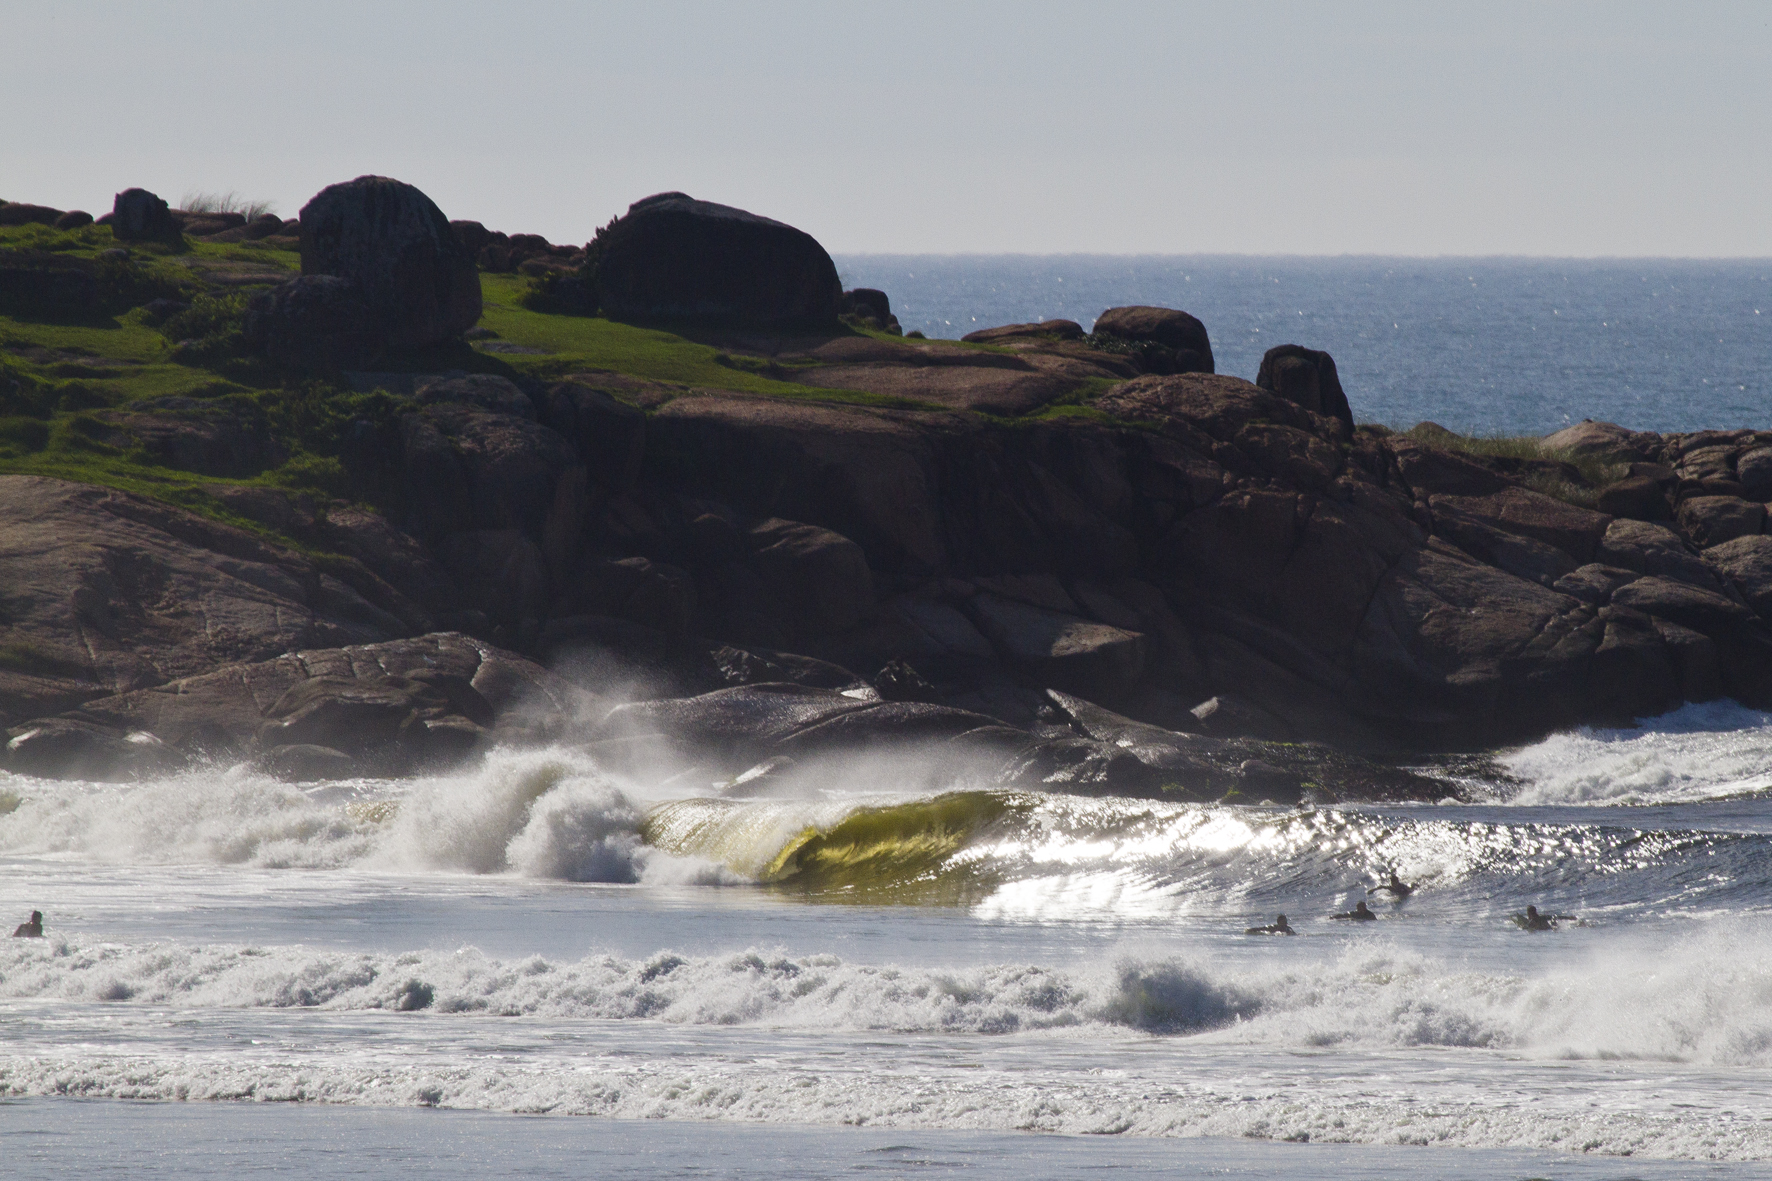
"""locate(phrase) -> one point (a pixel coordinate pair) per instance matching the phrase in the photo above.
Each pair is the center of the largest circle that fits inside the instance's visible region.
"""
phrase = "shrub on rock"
(870, 307)
(417, 281)
(674, 257)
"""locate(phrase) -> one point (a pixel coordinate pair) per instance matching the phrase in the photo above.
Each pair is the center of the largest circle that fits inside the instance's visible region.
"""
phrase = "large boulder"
(1713, 520)
(1654, 549)
(673, 257)
(1305, 376)
(870, 303)
(610, 435)
(464, 467)
(418, 281)
(1747, 563)
(1754, 470)
(139, 216)
(1639, 497)
(1605, 441)
(1183, 335)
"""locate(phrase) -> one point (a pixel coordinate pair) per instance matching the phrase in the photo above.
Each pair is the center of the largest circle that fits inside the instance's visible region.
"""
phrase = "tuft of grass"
(198, 201)
(1540, 468)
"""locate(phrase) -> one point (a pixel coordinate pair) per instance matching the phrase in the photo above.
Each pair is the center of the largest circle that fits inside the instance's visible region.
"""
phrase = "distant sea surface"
(1480, 345)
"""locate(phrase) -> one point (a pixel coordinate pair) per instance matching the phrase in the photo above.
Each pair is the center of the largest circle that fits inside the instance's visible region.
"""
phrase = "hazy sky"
(1560, 128)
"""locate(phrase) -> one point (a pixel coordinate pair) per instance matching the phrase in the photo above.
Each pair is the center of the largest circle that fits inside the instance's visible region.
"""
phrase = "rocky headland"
(369, 491)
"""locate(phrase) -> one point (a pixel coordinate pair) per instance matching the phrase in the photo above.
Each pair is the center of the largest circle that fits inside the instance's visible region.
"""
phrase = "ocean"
(534, 968)
(1478, 345)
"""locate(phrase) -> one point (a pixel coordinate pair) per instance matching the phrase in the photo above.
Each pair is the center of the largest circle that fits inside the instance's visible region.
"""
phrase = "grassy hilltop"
(65, 380)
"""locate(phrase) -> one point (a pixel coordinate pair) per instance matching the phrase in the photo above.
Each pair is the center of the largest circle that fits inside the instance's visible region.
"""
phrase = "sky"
(1566, 128)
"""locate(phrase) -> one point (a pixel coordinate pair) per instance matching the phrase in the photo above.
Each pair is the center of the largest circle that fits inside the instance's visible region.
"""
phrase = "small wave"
(1713, 750)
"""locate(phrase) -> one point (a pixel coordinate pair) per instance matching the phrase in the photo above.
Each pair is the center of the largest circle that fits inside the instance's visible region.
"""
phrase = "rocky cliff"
(1086, 556)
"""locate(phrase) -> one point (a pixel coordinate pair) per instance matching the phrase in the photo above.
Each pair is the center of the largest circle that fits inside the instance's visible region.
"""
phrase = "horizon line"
(1302, 254)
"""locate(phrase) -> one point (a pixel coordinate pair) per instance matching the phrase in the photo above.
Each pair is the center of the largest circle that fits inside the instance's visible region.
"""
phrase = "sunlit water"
(532, 937)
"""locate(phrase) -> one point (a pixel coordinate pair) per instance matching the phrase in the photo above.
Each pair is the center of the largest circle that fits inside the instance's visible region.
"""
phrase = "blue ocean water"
(1480, 345)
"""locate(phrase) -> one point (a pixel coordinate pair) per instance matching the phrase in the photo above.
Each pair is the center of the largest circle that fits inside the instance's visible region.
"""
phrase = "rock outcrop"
(1076, 560)
(377, 709)
(139, 216)
(871, 307)
(1181, 344)
(1305, 376)
(316, 322)
(102, 592)
(22, 213)
(673, 257)
(419, 284)
(1044, 329)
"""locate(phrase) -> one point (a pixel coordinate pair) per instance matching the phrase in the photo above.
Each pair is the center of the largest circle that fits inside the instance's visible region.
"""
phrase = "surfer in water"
(1533, 921)
(32, 929)
(1395, 888)
(1277, 927)
(1359, 914)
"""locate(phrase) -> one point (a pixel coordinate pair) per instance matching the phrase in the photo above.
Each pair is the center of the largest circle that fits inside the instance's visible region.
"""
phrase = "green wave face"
(911, 852)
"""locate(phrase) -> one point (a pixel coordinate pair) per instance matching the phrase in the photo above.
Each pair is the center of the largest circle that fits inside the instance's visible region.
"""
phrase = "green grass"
(1596, 473)
(578, 343)
(58, 377)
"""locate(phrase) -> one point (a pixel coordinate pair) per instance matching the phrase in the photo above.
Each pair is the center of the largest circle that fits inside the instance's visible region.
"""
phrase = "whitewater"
(533, 935)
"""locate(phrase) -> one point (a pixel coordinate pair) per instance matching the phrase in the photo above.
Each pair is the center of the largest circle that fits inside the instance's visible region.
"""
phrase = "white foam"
(1706, 1000)
(1697, 752)
(1146, 1047)
(545, 813)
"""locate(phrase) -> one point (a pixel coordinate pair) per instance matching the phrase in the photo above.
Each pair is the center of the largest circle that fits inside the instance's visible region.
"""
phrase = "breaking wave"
(551, 814)
(1707, 1001)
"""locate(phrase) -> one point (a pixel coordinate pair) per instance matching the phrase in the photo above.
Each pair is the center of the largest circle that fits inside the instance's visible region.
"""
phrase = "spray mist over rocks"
(544, 813)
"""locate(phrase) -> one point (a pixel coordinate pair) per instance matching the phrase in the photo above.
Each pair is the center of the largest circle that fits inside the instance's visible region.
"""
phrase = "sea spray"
(1707, 751)
(227, 816)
